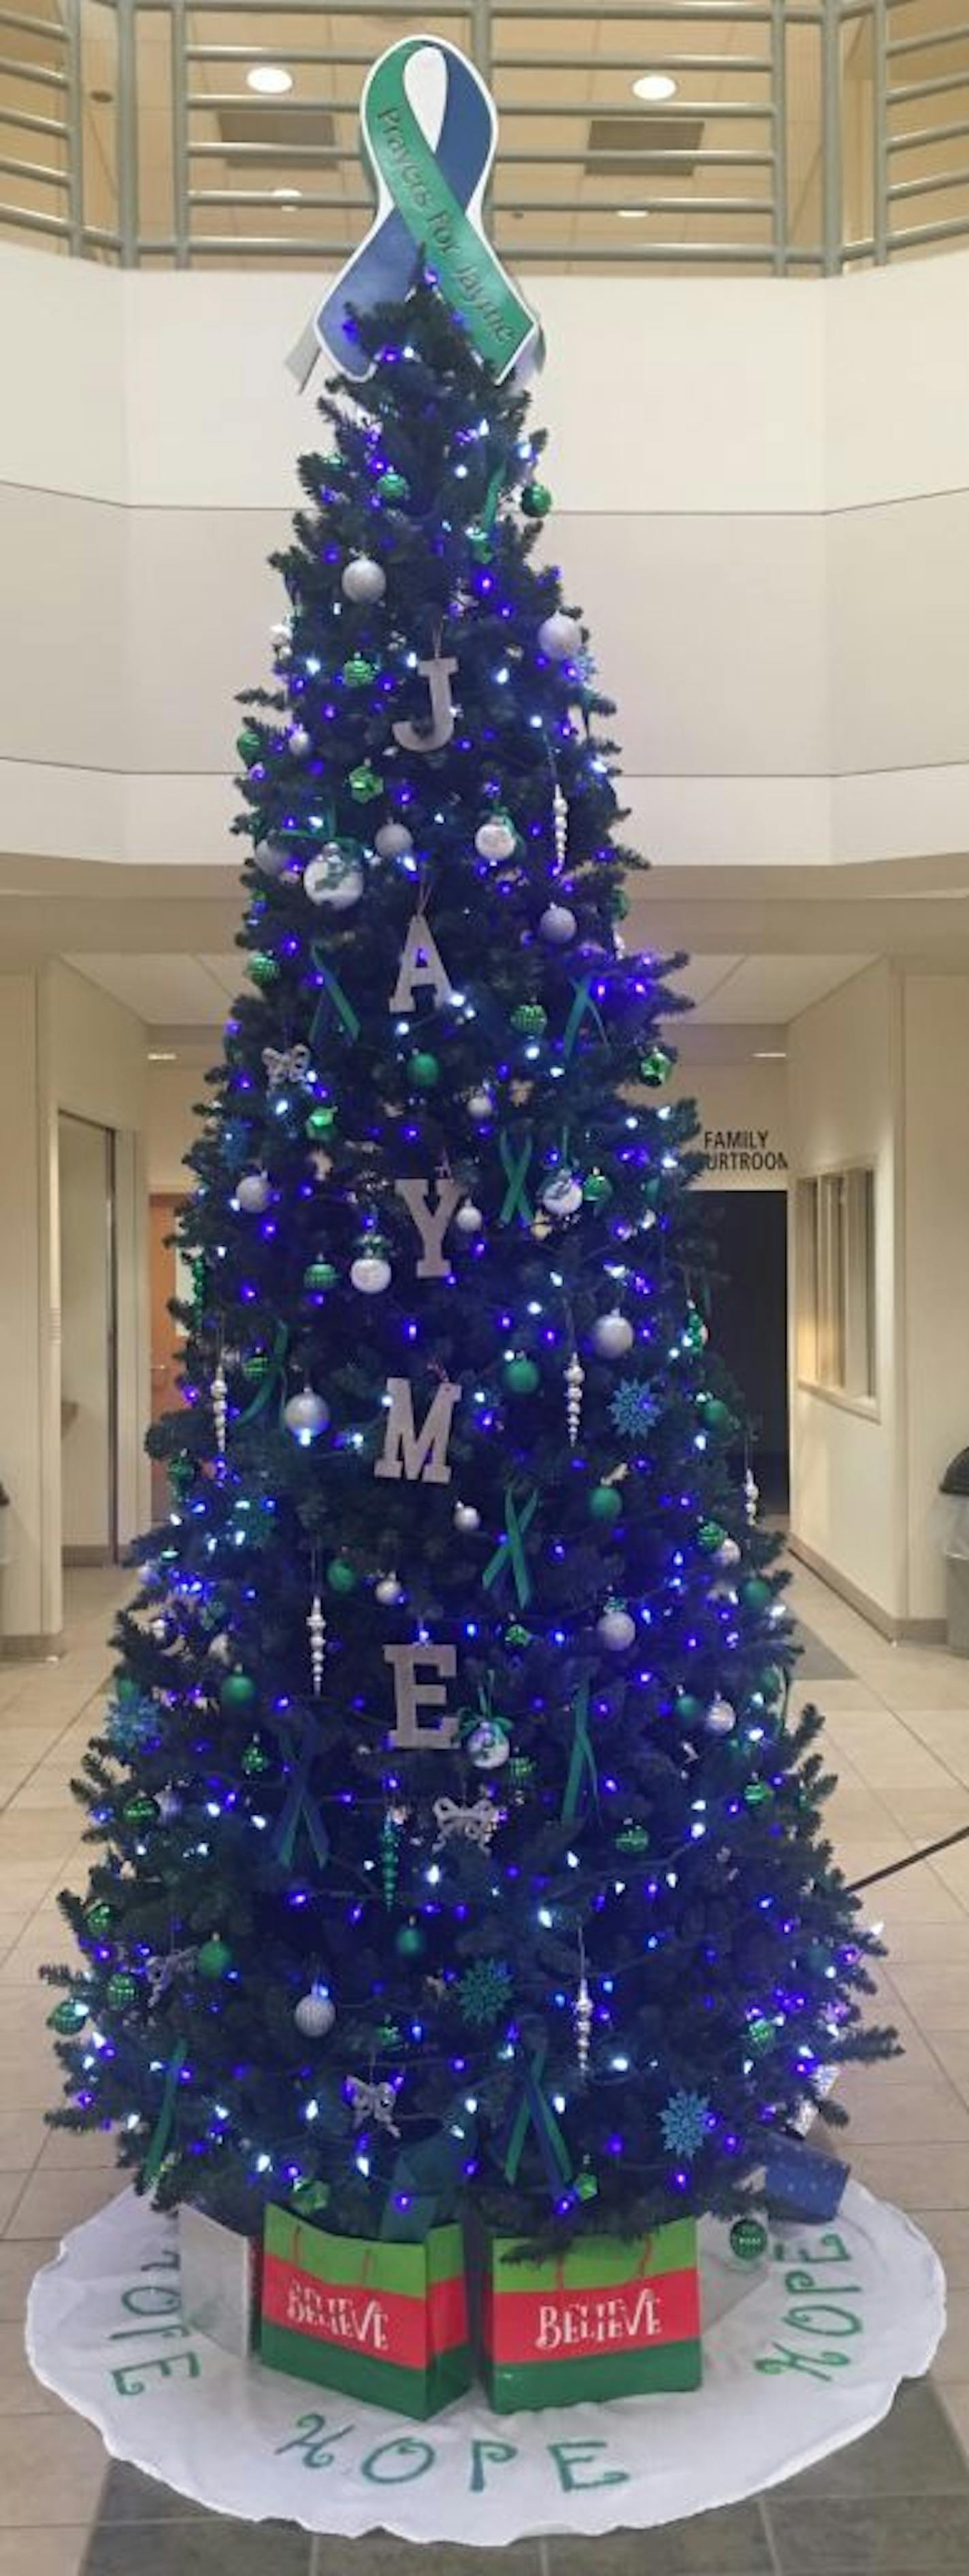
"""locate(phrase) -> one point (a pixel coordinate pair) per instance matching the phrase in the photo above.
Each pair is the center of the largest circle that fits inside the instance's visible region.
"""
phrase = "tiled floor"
(894, 2505)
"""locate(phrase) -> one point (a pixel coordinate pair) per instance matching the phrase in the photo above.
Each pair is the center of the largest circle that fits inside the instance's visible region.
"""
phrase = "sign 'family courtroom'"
(742, 1149)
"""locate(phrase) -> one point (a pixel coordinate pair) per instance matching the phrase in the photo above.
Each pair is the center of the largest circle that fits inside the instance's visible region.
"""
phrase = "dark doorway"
(748, 1322)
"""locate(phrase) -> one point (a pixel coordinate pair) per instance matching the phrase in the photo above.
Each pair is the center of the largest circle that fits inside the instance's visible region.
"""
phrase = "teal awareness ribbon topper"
(429, 127)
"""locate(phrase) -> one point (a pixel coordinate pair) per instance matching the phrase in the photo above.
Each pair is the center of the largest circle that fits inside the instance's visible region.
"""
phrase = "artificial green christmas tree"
(455, 1843)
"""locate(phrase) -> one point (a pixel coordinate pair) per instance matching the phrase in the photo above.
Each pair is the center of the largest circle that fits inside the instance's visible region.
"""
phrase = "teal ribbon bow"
(299, 1806)
(332, 995)
(430, 196)
(515, 1164)
(582, 1763)
(509, 1555)
(583, 1007)
(535, 2112)
(166, 2117)
(275, 1373)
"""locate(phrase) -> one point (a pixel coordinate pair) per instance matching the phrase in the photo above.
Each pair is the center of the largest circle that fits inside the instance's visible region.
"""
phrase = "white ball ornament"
(466, 1518)
(728, 1554)
(562, 1195)
(469, 1219)
(221, 1648)
(363, 580)
(388, 1591)
(560, 636)
(279, 633)
(612, 1335)
(271, 857)
(306, 1414)
(371, 1274)
(299, 742)
(495, 839)
(333, 878)
(720, 1717)
(254, 1192)
(488, 1747)
(393, 841)
(315, 2014)
(557, 925)
(480, 1107)
(615, 1629)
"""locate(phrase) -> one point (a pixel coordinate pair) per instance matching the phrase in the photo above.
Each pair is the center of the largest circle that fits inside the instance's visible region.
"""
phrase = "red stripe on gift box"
(579, 2325)
(379, 2323)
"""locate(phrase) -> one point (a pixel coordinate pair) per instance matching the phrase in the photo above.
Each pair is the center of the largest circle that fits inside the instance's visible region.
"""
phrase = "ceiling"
(179, 997)
(559, 79)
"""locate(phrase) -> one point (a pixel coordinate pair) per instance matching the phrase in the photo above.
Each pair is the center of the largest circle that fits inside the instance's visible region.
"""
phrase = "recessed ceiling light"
(655, 85)
(770, 1055)
(632, 214)
(162, 1055)
(288, 196)
(272, 80)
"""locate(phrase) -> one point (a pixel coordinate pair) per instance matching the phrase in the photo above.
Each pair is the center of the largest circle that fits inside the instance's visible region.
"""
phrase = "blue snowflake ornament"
(131, 1722)
(683, 2121)
(633, 1407)
(485, 1991)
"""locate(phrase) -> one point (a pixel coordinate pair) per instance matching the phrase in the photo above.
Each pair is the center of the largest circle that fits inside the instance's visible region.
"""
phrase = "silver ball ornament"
(488, 1747)
(279, 632)
(615, 1629)
(253, 1192)
(466, 1518)
(495, 840)
(562, 1195)
(221, 1648)
(300, 742)
(371, 1274)
(720, 1718)
(393, 841)
(480, 1107)
(388, 1591)
(362, 580)
(333, 879)
(557, 924)
(306, 1414)
(314, 2014)
(728, 1554)
(469, 1219)
(612, 1335)
(560, 636)
(271, 857)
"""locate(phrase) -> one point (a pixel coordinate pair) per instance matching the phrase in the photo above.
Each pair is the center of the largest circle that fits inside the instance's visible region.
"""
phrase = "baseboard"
(33, 1650)
(925, 1632)
(88, 1556)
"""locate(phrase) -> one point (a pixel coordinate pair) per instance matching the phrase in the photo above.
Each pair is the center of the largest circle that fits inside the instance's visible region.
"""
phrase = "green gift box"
(612, 2317)
(384, 2322)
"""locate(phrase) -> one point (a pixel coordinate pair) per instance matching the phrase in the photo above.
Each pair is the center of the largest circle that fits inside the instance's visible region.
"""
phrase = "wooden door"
(166, 1342)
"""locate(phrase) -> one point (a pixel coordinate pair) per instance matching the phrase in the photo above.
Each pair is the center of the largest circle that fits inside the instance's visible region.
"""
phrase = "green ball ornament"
(756, 1592)
(748, 2239)
(632, 1838)
(309, 2198)
(710, 1536)
(320, 1123)
(758, 1793)
(237, 1693)
(254, 1759)
(597, 1189)
(99, 1918)
(529, 1019)
(122, 1988)
(586, 2184)
(214, 1957)
(365, 783)
(479, 542)
(761, 2034)
(411, 1941)
(248, 744)
(319, 1275)
(391, 485)
(139, 1810)
(687, 1708)
(717, 1416)
(254, 1366)
(520, 1375)
(655, 1068)
(520, 1773)
(605, 1503)
(358, 672)
(340, 1575)
(618, 902)
(68, 2016)
(536, 500)
(261, 969)
(516, 1635)
(424, 1069)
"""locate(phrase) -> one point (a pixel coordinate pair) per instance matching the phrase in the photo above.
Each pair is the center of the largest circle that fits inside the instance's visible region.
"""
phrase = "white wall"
(847, 1463)
(742, 1110)
(751, 477)
(936, 1240)
(85, 1336)
(173, 1092)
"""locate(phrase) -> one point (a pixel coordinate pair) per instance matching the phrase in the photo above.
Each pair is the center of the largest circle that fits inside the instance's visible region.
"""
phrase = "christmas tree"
(455, 1841)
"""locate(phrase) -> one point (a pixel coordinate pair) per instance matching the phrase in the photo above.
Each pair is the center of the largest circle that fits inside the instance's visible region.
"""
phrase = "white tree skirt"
(803, 2352)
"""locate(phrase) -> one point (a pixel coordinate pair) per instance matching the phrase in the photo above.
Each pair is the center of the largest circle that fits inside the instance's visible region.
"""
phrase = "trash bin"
(955, 1483)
